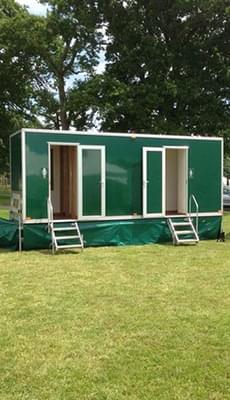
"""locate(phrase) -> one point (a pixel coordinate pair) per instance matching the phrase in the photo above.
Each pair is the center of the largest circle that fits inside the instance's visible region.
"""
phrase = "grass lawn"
(137, 323)
(4, 213)
(4, 196)
(4, 202)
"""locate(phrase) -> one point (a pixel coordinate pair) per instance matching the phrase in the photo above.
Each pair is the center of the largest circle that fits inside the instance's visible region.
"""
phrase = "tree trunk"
(62, 100)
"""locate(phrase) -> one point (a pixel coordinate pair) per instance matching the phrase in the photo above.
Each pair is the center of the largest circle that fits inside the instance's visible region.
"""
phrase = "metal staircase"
(65, 233)
(181, 227)
(183, 230)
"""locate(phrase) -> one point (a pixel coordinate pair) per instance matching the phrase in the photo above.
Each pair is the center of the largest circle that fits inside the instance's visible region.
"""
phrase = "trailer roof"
(119, 134)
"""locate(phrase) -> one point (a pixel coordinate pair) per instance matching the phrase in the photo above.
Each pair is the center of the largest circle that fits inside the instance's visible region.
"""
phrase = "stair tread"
(65, 228)
(181, 223)
(67, 246)
(67, 237)
(187, 228)
(61, 221)
(184, 232)
(187, 240)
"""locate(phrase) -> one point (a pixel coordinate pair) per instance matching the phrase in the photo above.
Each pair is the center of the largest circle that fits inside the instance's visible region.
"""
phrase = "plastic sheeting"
(8, 234)
(116, 233)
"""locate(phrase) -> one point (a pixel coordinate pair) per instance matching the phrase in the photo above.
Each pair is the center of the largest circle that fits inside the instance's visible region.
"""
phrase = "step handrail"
(50, 211)
(193, 199)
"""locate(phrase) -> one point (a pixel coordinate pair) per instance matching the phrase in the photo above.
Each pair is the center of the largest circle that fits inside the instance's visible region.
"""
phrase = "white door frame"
(186, 149)
(102, 183)
(50, 144)
(145, 151)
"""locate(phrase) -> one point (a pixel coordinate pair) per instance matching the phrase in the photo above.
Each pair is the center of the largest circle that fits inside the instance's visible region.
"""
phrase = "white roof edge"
(131, 135)
(15, 133)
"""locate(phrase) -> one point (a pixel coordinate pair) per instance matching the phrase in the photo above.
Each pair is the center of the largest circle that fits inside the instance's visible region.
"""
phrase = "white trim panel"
(130, 135)
(23, 149)
(176, 147)
(126, 217)
(222, 174)
(16, 133)
(63, 143)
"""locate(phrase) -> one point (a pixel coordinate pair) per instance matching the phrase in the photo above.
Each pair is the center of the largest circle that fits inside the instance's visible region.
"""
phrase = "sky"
(33, 6)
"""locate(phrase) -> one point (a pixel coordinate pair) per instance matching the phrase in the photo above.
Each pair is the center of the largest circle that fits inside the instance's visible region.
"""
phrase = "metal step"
(187, 240)
(180, 223)
(68, 246)
(73, 240)
(61, 221)
(56, 225)
(67, 237)
(63, 228)
(176, 234)
(184, 232)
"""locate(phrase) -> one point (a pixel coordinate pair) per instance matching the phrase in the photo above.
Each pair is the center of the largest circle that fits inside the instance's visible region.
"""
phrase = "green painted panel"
(123, 177)
(124, 170)
(16, 163)
(36, 184)
(205, 180)
(91, 181)
(154, 182)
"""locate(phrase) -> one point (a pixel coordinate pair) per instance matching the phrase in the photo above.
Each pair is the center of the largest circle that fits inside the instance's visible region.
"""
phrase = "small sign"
(44, 172)
(191, 173)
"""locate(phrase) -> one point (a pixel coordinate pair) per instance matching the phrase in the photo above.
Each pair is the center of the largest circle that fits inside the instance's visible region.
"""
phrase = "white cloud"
(34, 6)
(100, 68)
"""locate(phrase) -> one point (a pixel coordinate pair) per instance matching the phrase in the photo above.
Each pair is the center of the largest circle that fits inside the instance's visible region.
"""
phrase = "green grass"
(144, 322)
(4, 197)
(4, 213)
(4, 202)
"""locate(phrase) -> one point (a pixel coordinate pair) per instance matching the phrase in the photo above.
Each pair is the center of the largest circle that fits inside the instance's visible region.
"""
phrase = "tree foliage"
(15, 76)
(168, 66)
(64, 44)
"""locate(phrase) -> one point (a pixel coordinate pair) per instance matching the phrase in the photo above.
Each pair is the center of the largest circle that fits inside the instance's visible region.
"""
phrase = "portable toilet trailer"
(119, 188)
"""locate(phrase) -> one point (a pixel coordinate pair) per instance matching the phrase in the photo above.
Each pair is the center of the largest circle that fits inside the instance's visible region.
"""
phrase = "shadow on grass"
(60, 252)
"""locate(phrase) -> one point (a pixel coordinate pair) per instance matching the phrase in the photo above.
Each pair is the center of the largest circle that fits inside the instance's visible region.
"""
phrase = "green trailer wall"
(124, 170)
(16, 174)
(16, 163)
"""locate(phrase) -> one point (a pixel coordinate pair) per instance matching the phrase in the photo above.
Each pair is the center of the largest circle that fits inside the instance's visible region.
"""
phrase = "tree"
(64, 44)
(40, 59)
(15, 76)
(167, 66)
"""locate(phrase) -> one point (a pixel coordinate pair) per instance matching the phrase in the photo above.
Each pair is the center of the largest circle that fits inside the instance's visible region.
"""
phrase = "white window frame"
(145, 151)
(102, 182)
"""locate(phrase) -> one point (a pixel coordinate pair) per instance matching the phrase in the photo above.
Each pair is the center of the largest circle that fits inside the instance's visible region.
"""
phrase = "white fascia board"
(130, 135)
(222, 174)
(126, 217)
(15, 133)
(176, 147)
(62, 143)
(23, 150)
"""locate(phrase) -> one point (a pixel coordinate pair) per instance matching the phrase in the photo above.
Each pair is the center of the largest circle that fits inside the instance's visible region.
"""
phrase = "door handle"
(145, 183)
